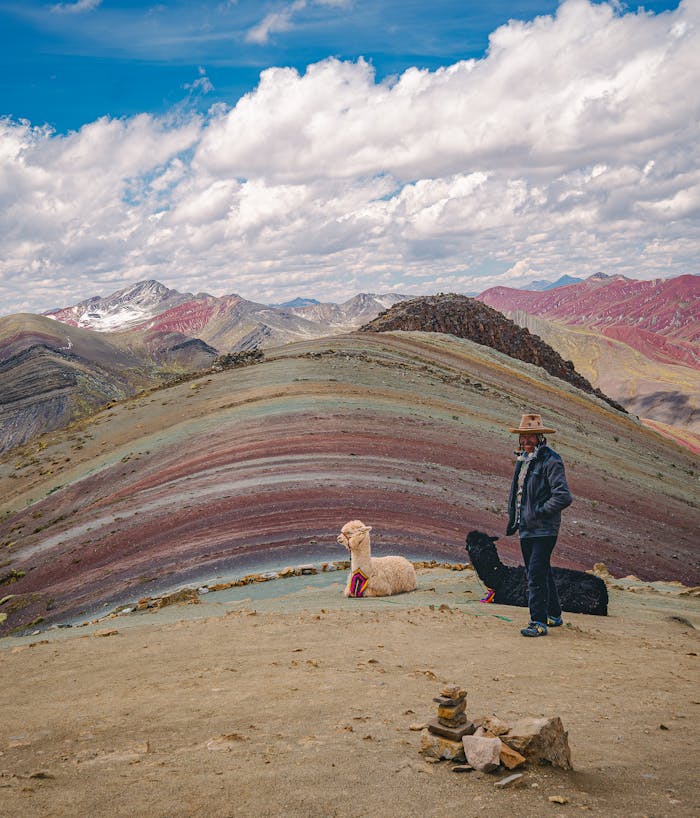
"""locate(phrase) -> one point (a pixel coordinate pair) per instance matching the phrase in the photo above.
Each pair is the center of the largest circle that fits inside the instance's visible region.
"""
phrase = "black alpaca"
(579, 592)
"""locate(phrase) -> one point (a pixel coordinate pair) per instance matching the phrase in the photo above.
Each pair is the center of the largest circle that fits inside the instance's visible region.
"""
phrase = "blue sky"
(68, 63)
(67, 66)
(323, 147)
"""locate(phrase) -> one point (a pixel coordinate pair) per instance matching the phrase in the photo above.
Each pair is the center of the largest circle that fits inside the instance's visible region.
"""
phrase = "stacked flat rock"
(452, 721)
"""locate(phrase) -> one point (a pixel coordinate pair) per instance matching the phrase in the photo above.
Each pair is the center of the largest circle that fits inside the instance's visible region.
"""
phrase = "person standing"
(538, 494)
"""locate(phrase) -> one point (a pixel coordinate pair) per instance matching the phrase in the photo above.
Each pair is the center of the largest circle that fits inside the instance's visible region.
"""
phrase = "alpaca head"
(355, 535)
(484, 556)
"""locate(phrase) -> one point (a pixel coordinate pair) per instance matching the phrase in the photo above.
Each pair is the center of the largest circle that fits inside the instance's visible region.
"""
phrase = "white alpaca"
(373, 576)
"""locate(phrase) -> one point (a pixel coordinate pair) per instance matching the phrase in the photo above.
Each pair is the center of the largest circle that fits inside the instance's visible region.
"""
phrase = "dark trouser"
(542, 596)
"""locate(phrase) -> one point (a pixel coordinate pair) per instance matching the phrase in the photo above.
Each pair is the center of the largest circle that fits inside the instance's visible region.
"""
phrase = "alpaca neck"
(487, 569)
(360, 561)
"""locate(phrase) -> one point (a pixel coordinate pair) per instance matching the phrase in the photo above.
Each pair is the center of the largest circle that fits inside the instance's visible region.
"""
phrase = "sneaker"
(554, 621)
(534, 629)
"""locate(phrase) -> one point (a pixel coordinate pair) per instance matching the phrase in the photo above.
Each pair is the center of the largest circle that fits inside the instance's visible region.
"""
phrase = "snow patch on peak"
(122, 309)
(113, 319)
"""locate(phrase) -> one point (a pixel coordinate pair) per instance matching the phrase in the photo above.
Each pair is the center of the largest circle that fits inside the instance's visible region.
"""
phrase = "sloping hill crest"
(465, 317)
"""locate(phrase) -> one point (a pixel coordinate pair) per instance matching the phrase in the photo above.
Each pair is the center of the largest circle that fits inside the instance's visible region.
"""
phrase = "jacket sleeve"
(560, 495)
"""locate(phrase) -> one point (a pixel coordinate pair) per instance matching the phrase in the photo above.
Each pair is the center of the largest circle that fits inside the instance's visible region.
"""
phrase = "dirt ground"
(291, 700)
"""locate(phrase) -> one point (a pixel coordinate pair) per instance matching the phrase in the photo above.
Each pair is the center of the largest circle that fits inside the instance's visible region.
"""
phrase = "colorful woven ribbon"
(358, 583)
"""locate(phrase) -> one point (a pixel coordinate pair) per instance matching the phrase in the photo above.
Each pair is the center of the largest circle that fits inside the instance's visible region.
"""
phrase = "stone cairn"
(487, 743)
(452, 722)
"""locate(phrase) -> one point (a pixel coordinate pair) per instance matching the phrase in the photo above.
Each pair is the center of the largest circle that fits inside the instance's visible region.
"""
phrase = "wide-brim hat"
(533, 423)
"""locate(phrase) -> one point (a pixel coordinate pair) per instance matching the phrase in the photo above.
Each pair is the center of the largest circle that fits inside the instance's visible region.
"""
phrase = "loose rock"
(224, 742)
(541, 740)
(452, 712)
(492, 724)
(453, 692)
(185, 596)
(515, 780)
(482, 753)
(432, 746)
(511, 758)
(453, 733)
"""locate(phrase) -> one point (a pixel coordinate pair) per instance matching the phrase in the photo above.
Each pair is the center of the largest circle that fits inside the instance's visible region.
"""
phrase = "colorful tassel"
(489, 597)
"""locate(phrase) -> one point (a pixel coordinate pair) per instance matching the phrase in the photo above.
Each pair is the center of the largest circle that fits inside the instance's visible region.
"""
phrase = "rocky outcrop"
(467, 318)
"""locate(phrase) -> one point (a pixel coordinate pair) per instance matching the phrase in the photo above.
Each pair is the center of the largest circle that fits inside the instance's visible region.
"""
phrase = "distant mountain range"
(638, 341)
(564, 281)
(297, 302)
(67, 363)
(667, 307)
(635, 341)
(226, 323)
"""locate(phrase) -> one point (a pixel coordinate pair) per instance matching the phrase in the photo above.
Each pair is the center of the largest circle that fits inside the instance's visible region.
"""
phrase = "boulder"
(541, 740)
(484, 754)
(432, 746)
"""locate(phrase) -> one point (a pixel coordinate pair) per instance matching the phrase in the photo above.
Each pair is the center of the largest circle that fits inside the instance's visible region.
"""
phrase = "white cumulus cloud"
(571, 147)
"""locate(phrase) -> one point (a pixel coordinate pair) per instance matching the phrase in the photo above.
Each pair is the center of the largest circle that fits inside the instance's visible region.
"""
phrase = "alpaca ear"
(366, 528)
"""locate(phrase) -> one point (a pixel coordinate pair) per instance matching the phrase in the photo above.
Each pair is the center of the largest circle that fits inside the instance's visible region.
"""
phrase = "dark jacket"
(545, 494)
